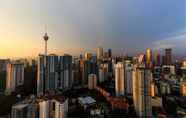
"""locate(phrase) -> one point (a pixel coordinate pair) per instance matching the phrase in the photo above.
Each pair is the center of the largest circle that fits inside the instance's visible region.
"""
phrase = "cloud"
(176, 40)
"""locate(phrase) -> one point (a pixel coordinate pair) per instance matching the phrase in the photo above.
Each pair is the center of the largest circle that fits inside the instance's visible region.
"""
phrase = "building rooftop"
(86, 100)
(20, 106)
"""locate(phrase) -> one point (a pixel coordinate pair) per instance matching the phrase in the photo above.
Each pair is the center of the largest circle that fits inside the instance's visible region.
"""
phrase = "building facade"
(15, 76)
(142, 91)
(119, 79)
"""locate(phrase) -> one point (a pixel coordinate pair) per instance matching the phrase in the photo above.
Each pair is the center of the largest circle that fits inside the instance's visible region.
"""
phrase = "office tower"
(148, 56)
(99, 53)
(103, 72)
(119, 79)
(88, 56)
(101, 75)
(163, 60)
(44, 109)
(156, 58)
(66, 80)
(168, 56)
(109, 53)
(41, 75)
(52, 72)
(47, 75)
(56, 74)
(19, 111)
(183, 88)
(128, 77)
(183, 68)
(15, 76)
(142, 91)
(86, 70)
(92, 81)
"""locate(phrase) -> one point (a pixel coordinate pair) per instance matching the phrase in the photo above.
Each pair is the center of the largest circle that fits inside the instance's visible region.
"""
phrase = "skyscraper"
(142, 91)
(47, 73)
(103, 72)
(88, 56)
(15, 76)
(57, 74)
(52, 72)
(119, 79)
(148, 57)
(45, 37)
(183, 68)
(109, 53)
(92, 81)
(99, 53)
(156, 58)
(128, 77)
(168, 56)
(66, 80)
(42, 75)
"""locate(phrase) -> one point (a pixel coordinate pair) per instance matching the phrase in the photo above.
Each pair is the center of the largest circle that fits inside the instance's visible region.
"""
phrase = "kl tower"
(45, 37)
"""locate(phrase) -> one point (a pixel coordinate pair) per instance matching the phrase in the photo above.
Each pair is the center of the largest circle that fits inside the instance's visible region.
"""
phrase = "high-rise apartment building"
(53, 107)
(66, 80)
(54, 73)
(15, 76)
(183, 68)
(119, 79)
(103, 72)
(92, 81)
(128, 77)
(142, 91)
(99, 53)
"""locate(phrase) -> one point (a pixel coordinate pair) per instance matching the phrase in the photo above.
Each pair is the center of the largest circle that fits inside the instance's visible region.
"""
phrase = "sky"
(76, 26)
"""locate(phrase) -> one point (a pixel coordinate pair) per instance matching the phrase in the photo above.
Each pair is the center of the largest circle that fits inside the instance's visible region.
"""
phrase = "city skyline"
(76, 26)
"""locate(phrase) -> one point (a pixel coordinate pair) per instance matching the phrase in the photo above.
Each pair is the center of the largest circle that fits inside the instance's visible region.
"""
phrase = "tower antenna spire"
(45, 28)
